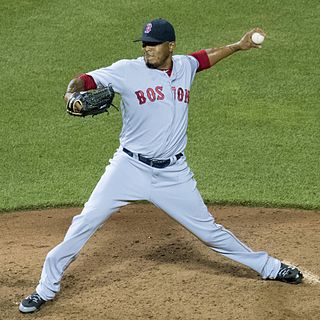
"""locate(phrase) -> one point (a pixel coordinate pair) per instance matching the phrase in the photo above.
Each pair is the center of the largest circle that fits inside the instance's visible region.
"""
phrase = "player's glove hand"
(90, 102)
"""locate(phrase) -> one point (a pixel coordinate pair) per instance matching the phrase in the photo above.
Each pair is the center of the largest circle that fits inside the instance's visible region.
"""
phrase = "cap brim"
(148, 39)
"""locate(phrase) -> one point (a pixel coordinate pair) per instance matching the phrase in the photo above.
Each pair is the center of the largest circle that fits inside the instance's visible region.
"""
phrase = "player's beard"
(156, 65)
(151, 65)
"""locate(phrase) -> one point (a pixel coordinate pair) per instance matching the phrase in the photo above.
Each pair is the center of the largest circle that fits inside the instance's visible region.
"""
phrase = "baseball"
(257, 38)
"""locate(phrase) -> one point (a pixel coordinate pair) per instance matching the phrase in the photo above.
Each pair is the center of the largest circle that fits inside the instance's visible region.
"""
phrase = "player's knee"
(95, 214)
(51, 257)
(87, 220)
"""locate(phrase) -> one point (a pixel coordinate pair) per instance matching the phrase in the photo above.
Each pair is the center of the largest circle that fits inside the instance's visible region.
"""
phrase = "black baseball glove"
(91, 102)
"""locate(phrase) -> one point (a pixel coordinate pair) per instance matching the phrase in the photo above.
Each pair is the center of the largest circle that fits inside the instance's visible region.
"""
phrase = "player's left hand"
(90, 102)
(246, 42)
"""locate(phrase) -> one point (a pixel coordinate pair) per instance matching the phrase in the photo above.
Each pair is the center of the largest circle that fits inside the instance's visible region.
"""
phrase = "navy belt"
(160, 164)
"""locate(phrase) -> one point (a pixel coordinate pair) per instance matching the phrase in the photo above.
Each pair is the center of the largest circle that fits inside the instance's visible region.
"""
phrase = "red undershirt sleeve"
(202, 58)
(89, 83)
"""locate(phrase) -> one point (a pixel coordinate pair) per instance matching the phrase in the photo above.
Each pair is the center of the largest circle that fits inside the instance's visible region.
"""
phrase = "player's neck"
(166, 66)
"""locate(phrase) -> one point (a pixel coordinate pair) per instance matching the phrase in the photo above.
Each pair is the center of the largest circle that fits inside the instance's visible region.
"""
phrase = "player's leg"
(182, 201)
(113, 191)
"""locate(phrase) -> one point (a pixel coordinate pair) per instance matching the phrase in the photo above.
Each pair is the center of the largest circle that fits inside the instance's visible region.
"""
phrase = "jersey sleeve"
(194, 63)
(113, 75)
(89, 83)
(202, 58)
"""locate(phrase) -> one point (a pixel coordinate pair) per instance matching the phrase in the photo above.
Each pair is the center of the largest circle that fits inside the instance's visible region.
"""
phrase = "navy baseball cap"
(158, 30)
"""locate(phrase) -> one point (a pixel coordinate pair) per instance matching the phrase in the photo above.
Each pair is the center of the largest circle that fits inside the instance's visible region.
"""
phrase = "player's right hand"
(246, 43)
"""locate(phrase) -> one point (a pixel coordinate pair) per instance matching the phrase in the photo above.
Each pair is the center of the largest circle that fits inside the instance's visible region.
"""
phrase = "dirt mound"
(143, 265)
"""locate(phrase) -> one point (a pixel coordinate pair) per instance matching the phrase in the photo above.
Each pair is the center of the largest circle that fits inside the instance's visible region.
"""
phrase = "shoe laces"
(284, 272)
(35, 298)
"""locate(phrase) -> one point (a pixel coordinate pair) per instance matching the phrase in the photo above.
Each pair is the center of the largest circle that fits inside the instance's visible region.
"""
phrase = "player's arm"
(75, 85)
(82, 83)
(245, 43)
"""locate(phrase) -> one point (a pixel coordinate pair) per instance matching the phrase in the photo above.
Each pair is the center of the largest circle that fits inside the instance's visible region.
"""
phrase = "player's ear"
(172, 46)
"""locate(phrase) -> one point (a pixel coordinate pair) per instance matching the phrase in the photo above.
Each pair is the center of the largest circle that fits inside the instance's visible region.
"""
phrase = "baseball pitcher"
(150, 163)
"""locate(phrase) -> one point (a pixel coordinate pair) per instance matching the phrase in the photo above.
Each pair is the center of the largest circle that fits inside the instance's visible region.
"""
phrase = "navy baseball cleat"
(31, 303)
(289, 274)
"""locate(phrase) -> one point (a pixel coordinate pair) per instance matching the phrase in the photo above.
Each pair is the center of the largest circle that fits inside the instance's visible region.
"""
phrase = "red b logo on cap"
(148, 28)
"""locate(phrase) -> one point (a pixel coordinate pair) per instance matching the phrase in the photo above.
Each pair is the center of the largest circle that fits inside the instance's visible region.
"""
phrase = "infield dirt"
(143, 265)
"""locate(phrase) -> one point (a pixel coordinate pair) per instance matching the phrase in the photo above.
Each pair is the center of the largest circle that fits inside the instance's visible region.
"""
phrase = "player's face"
(158, 55)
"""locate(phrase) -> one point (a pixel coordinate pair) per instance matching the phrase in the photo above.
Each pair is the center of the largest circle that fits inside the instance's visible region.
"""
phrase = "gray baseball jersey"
(154, 105)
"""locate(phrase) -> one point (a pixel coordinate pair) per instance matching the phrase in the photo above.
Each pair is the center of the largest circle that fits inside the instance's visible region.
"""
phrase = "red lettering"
(180, 94)
(160, 93)
(151, 94)
(187, 96)
(174, 89)
(140, 95)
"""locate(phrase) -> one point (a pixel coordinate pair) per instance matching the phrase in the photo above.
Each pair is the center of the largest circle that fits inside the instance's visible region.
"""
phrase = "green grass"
(254, 127)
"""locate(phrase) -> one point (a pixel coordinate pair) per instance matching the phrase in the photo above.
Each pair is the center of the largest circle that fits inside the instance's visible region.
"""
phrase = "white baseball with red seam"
(257, 38)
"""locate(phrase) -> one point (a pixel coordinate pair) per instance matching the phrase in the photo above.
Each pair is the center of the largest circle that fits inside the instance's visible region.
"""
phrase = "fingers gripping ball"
(90, 102)
(257, 38)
